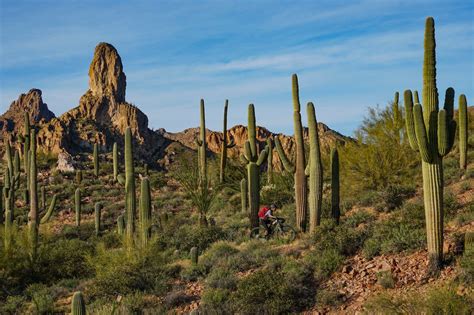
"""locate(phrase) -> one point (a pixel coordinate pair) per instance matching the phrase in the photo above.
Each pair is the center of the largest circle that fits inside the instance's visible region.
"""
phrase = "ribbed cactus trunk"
(115, 160)
(8, 202)
(121, 224)
(270, 161)
(33, 222)
(78, 306)
(202, 146)
(314, 171)
(26, 150)
(130, 197)
(253, 161)
(298, 169)
(16, 169)
(463, 123)
(77, 205)
(225, 145)
(97, 215)
(96, 160)
(431, 132)
(243, 195)
(335, 193)
(194, 254)
(145, 211)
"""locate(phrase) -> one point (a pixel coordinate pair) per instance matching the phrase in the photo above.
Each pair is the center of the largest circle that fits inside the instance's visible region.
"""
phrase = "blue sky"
(349, 55)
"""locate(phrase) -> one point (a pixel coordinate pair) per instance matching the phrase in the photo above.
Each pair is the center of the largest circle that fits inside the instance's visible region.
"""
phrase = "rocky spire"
(106, 76)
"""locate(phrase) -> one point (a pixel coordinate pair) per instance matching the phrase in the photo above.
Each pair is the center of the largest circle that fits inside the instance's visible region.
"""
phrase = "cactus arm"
(409, 122)
(421, 135)
(443, 134)
(262, 157)
(289, 167)
(247, 151)
(463, 131)
(48, 214)
(416, 97)
(243, 159)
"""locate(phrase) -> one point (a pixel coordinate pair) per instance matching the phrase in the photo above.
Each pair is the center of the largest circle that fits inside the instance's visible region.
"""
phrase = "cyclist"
(266, 217)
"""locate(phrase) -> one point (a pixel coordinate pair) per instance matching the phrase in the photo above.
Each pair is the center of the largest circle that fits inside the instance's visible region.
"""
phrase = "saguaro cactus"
(253, 160)
(48, 214)
(194, 253)
(8, 203)
(270, 161)
(201, 144)
(431, 132)
(299, 168)
(130, 197)
(115, 160)
(243, 194)
(145, 211)
(335, 209)
(78, 306)
(77, 203)
(16, 169)
(121, 224)
(33, 222)
(314, 170)
(97, 212)
(26, 149)
(96, 159)
(463, 122)
(225, 145)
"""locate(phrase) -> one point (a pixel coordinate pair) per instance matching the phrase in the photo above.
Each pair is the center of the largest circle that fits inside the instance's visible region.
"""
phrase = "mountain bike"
(278, 230)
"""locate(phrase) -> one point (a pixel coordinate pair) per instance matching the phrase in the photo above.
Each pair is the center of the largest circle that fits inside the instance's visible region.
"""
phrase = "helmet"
(273, 206)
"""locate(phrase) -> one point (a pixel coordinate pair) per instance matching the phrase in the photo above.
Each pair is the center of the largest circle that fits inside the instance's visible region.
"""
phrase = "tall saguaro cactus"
(314, 170)
(463, 121)
(253, 160)
(26, 149)
(115, 160)
(298, 169)
(8, 204)
(145, 211)
(96, 159)
(431, 132)
(33, 222)
(225, 145)
(335, 209)
(130, 197)
(201, 144)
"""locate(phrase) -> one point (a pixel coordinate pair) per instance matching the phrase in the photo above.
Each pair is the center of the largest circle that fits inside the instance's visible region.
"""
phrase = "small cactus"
(194, 255)
(145, 211)
(97, 210)
(335, 209)
(96, 159)
(78, 177)
(77, 203)
(463, 123)
(78, 306)
(115, 160)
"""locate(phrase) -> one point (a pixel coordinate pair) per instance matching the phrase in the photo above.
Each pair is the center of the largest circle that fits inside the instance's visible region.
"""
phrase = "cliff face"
(102, 115)
(12, 121)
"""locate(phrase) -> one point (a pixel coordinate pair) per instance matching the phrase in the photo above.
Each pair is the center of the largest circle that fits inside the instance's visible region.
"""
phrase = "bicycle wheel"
(258, 232)
(286, 232)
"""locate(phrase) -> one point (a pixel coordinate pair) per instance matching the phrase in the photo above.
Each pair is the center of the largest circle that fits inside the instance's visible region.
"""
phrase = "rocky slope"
(328, 138)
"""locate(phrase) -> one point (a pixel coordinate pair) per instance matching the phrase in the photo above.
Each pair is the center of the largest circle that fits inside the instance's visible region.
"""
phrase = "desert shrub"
(13, 304)
(325, 262)
(280, 192)
(451, 205)
(218, 254)
(188, 236)
(393, 236)
(124, 272)
(385, 279)
(328, 298)
(176, 298)
(216, 301)
(367, 198)
(346, 241)
(41, 298)
(466, 262)
(445, 300)
(393, 196)
(358, 218)
(64, 259)
(221, 278)
(254, 255)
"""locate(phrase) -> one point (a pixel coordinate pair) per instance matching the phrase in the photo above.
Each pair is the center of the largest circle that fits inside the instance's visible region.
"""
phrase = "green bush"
(325, 262)
(358, 218)
(393, 197)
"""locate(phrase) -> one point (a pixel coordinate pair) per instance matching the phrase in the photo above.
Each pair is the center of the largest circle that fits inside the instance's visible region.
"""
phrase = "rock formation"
(12, 121)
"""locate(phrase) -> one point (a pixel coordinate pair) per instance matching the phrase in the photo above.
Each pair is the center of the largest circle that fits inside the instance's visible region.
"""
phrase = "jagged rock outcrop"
(328, 138)
(102, 115)
(12, 121)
